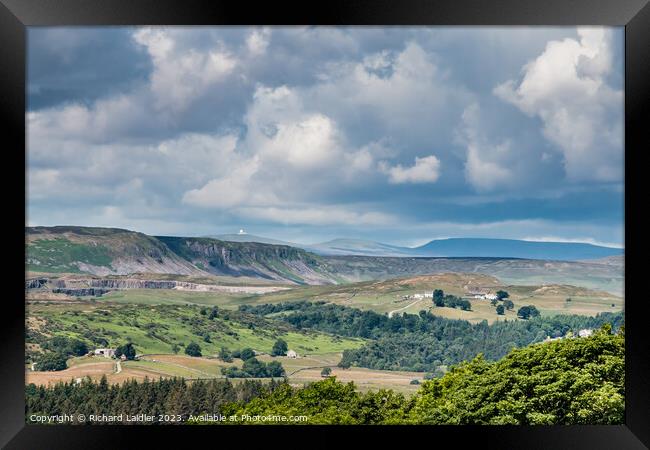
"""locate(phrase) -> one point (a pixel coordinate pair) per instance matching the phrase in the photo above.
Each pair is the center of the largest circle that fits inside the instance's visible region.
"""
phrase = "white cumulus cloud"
(566, 87)
(180, 76)
(425, 170)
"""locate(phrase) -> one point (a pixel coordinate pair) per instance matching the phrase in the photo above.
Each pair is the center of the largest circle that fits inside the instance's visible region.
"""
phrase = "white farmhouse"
(292, 354)
(105, 352)
(585, 332)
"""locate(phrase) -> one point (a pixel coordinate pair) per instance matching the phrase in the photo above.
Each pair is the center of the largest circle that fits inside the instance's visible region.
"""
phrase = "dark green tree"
(279, 348)
(345, 363)
(500, 310)
(508, 304)
(193, 349)
(246, 354)
(275, 369)
(526, 312)
(438, 297)
(255, 368)
(225, 355)
(502, 294)
(326, 372)
(128, 350)
(78, 348)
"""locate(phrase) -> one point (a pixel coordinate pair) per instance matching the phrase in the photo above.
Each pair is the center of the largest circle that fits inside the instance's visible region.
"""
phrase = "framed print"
(367, 217)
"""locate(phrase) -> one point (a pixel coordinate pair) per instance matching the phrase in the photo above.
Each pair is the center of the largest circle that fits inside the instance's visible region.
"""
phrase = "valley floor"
(300, 371)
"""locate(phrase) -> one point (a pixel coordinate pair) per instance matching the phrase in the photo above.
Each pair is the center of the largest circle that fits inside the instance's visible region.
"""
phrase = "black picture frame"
(16, 15)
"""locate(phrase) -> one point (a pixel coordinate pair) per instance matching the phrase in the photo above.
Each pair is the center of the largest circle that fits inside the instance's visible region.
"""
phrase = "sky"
(395, 134)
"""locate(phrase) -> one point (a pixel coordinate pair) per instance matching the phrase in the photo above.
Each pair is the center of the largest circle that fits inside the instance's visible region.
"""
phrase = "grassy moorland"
(157, 329)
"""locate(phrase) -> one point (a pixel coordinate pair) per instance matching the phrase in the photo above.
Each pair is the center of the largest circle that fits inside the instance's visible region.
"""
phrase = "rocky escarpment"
(36, 283)
(83, 287)
(273, 262)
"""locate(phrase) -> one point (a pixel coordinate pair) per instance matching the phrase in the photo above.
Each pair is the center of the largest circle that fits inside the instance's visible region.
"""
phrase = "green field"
(175, 297)
(61, 256)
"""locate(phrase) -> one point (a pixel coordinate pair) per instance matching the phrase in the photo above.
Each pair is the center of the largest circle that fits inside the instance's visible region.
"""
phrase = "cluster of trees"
(52, 362)
(448, 342)
(173, 396)
(345, 321)
(526, 312)
(65, 346)
(56, 352)
(227, 356)
(213, 314)
(582, 383)
(450, 301)
(502, 296)
(254, 368)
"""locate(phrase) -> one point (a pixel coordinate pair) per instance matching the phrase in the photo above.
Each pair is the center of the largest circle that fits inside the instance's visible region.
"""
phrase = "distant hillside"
(112, 251)
(511, 248)
(100, 251)
(618, 260)
(358, 247)
(591, 275)
(453, 247)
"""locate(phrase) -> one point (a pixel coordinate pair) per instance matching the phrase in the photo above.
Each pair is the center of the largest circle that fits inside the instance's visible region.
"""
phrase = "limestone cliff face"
(276, 262)
(91, 286)
(96, 287)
